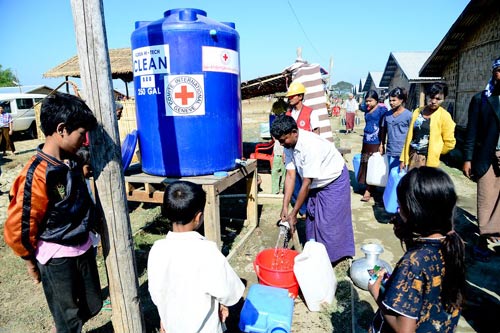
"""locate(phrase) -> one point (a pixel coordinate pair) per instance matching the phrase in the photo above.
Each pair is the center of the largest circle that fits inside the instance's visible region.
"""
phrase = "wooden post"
(212, 215)
(106, 162)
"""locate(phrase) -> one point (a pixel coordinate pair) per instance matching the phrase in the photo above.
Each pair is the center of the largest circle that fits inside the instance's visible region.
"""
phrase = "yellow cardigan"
(441, 137)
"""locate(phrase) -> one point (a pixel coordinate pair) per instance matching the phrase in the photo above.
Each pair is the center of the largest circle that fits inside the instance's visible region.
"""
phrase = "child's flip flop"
(106, 305)
(494, 240)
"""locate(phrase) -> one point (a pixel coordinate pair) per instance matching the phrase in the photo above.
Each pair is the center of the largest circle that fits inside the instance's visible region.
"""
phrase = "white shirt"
(316, 158)
(351, 105)
(188, 277)
(313, 117)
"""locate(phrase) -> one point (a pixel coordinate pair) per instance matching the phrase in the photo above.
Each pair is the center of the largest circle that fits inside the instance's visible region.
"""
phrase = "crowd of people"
(52, 215)
(432, 271)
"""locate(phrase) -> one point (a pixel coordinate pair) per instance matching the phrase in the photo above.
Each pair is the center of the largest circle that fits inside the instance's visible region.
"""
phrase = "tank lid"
(185, 14)
(140, 24)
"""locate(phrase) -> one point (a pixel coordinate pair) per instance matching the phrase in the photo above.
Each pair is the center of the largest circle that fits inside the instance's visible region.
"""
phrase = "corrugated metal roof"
(374, 77)
(410, 64)
(472, 15)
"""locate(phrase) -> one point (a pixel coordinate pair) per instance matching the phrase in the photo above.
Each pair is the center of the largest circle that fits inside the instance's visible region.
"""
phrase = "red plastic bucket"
(274, 267)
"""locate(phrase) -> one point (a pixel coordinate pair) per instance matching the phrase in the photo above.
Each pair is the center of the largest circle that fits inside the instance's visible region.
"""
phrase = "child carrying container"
(190, 281)
(425, 291)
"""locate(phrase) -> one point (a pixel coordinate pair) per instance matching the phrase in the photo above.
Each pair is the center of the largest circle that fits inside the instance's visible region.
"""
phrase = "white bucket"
(377, 171)
(315, 275)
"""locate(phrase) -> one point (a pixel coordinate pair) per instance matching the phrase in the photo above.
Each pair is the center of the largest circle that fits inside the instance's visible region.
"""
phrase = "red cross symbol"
(225, 56)
(184, 95)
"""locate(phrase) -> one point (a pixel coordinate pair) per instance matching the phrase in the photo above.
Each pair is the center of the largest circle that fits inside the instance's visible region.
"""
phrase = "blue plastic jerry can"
(390, 196)
(266, 309)
(356, 161)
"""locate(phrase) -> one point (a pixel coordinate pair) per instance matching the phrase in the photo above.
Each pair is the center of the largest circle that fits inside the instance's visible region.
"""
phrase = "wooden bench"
(142, 187)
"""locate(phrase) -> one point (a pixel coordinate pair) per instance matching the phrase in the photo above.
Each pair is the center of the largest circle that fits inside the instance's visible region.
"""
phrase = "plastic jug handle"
(277, 329)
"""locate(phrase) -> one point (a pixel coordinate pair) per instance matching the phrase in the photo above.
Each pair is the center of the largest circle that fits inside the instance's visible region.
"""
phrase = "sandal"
(366, 198)
(480, 254)
(106, 305)
(495, 240)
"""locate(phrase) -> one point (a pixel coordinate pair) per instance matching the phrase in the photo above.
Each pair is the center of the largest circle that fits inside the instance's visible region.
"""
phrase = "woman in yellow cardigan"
(431, 132)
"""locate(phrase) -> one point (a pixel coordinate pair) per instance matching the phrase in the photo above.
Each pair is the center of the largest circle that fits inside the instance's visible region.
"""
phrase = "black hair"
(399, 93)
(279, 107)
(437, 88)
(83, 156)
(427, 199)
(372, 94)
(282, 125)
(68, 109)
(182, 201)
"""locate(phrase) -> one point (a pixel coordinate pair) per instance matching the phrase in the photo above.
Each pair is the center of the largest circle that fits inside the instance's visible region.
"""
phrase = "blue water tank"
(187, 92)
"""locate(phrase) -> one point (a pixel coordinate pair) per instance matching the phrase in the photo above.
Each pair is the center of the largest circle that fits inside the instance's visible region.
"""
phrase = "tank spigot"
(240, 162)
(213, 32)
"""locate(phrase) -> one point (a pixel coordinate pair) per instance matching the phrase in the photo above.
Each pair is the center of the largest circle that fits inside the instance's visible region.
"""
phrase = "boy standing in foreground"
(190, 281)
(51, 213)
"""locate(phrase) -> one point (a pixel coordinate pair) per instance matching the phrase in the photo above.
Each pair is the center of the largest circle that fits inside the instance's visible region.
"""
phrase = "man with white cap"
(482, 160)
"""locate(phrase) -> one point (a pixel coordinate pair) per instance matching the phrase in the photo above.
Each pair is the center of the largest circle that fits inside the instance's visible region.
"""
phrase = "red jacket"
(304, 119)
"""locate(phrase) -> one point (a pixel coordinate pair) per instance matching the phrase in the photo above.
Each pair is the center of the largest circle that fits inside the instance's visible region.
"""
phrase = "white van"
(20, 106)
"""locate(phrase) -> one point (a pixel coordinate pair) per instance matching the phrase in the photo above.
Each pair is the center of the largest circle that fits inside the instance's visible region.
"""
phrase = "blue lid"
(128, 149)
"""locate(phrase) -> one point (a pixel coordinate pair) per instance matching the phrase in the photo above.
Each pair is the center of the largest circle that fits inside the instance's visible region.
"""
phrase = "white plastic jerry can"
(378, 169)
(315, 275)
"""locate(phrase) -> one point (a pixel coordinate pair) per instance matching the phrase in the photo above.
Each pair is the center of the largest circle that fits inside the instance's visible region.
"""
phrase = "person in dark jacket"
(51, 216)
(482, 160)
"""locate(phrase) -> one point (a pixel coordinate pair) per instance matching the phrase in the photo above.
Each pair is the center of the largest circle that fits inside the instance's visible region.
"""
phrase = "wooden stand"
(142, 187)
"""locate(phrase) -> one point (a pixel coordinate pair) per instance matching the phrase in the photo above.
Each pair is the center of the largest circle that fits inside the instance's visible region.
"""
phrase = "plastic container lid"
(128, 149)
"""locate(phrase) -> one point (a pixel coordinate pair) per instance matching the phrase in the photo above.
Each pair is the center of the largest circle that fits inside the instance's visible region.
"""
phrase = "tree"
(6, 77)
(343, 87)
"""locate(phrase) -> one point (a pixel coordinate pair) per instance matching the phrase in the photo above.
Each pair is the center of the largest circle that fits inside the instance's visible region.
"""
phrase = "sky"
(359, 35)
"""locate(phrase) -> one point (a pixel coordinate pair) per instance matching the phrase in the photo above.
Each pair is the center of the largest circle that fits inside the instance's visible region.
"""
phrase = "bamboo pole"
(106, 162)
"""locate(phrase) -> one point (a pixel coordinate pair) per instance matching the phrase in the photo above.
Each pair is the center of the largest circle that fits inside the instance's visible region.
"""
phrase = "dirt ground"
(23, 307)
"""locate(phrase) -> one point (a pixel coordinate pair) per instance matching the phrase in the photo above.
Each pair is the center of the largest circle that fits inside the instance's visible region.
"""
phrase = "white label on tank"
(151, 60)
(217, 59)
(184, 95)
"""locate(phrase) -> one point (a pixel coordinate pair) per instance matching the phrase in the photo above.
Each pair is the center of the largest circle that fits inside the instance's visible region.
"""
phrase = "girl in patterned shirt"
(425, 291)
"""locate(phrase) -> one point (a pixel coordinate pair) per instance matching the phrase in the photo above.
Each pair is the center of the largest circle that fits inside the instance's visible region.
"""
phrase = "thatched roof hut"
(121, 66)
